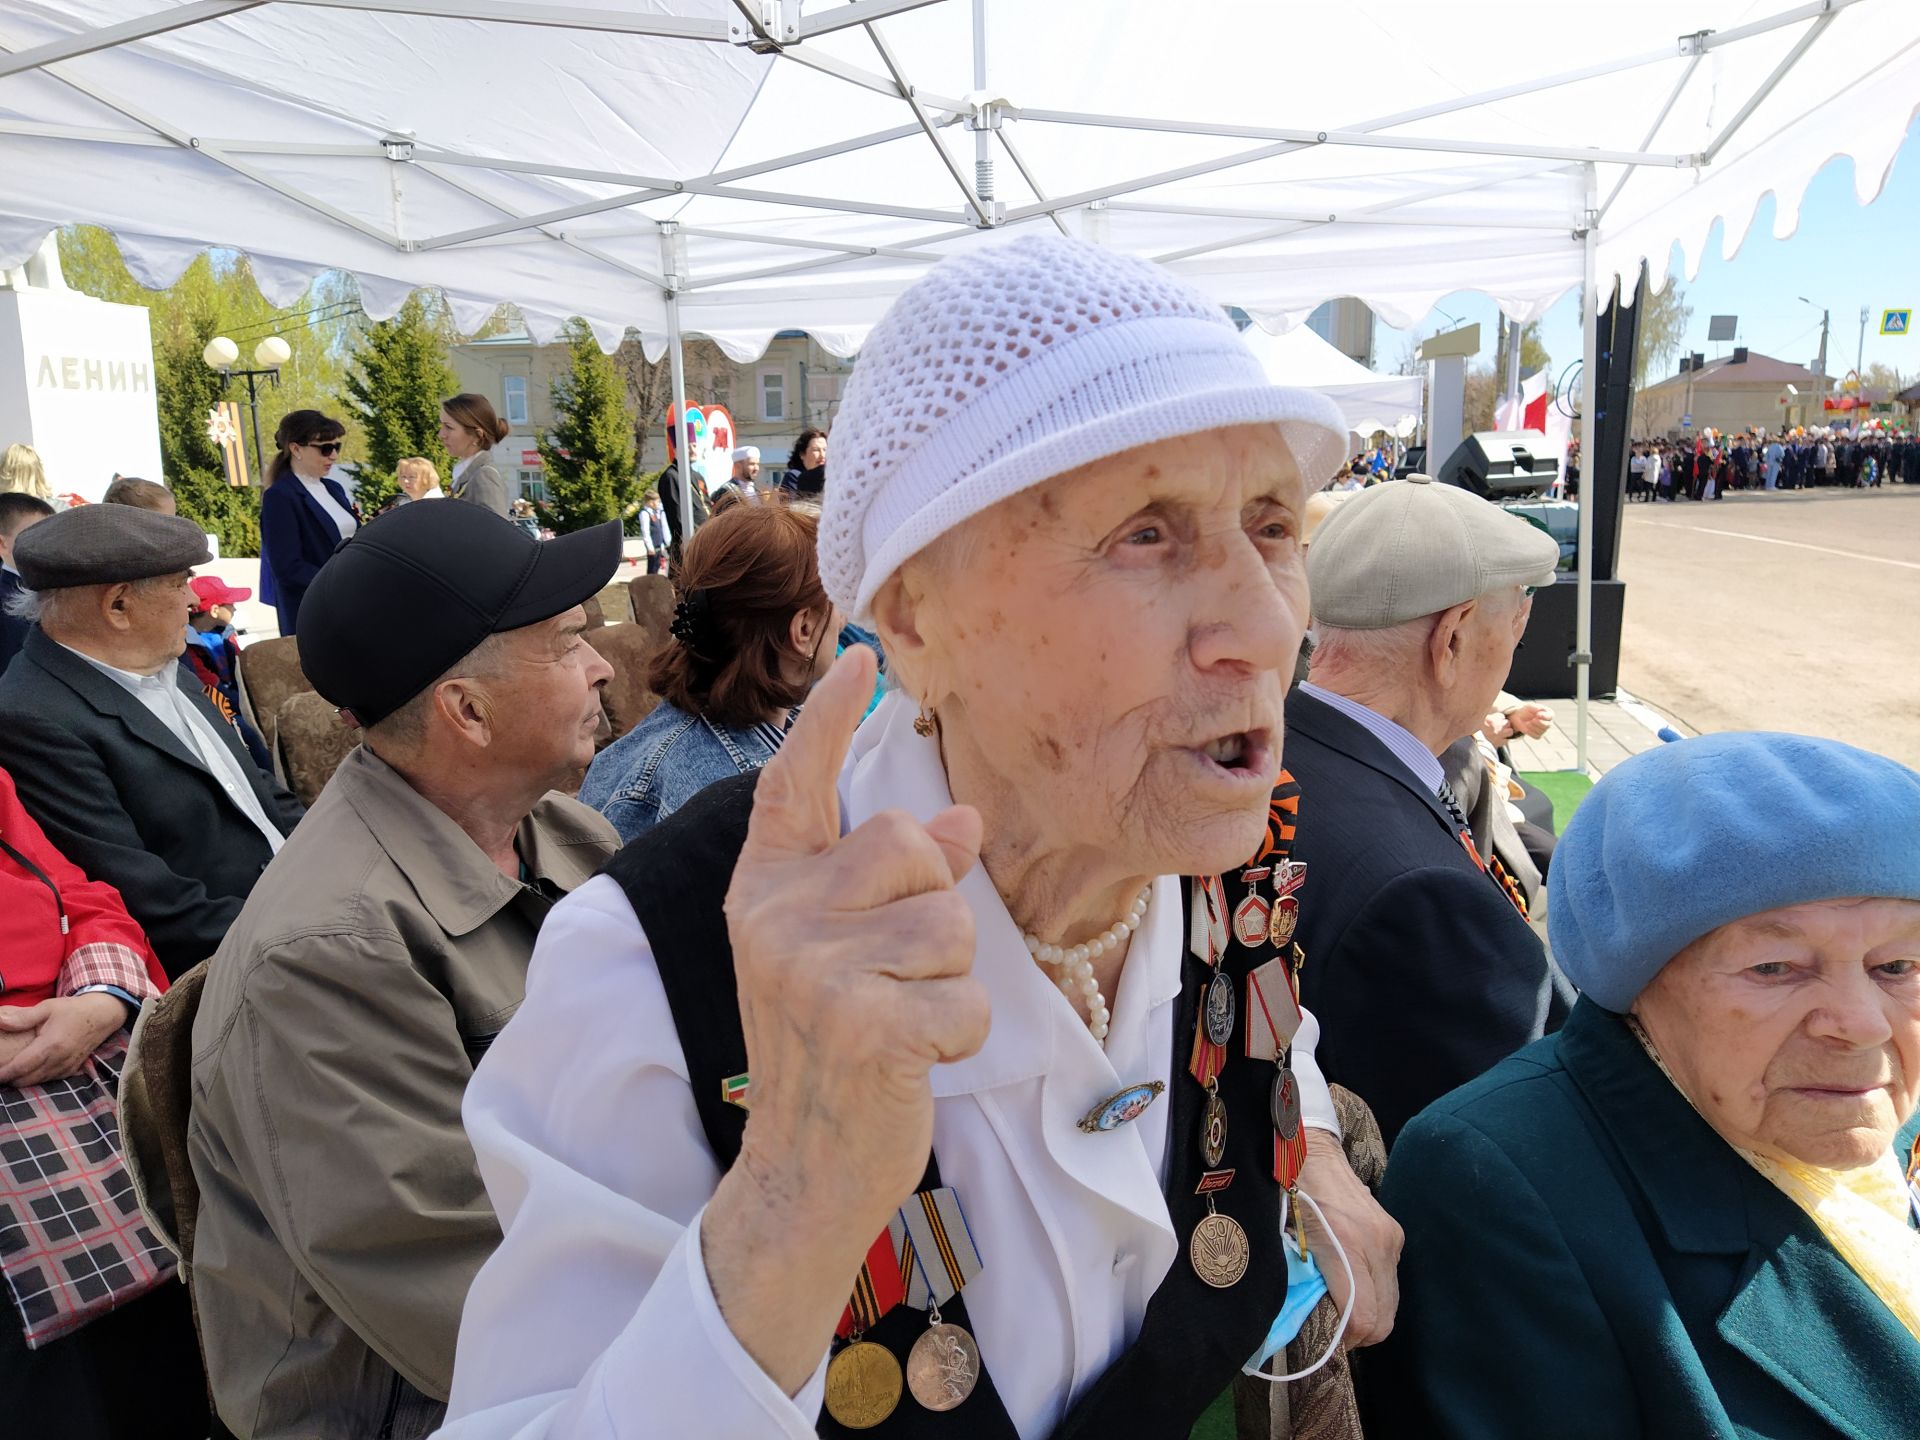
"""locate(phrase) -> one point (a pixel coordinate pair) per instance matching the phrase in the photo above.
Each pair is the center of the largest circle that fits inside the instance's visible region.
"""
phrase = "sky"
(1842, 257)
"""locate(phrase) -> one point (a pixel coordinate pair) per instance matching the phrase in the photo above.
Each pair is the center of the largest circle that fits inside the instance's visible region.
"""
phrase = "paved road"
(1793, 611)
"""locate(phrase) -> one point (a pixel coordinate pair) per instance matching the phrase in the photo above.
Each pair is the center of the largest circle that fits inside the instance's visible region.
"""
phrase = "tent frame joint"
(1694, 45)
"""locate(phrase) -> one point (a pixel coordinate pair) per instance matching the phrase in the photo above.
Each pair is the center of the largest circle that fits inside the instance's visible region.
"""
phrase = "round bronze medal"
(1285, 1104)
(1285, 919)
(1220, 1008)
(1213, 1132)
(943, 1367)
(863, 1385)
(1218, 1251)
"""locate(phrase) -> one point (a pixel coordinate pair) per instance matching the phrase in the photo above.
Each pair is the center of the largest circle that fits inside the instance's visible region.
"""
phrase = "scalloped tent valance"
(593, 161)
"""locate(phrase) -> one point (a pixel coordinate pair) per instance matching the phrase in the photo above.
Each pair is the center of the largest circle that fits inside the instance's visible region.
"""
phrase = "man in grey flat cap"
(1420, 962)
(114, 748)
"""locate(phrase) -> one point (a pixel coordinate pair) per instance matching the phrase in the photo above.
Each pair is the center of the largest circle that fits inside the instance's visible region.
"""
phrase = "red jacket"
(32, 947)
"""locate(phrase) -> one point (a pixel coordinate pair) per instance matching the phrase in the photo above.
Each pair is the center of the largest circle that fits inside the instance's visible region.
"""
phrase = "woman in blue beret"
(1690, 1213)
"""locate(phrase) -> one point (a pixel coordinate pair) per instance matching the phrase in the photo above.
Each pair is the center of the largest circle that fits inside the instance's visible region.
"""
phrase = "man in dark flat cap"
(342, 1217)
(114, 748)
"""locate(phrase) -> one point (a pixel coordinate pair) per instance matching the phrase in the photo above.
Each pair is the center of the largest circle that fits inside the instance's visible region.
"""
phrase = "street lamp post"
(269, 355)
(1820, 381)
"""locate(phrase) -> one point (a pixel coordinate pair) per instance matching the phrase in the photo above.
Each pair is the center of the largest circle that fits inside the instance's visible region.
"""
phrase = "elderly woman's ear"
(910, 629)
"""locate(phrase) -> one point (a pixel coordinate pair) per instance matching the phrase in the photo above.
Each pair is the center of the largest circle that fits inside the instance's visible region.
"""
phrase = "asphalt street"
(1792, 611)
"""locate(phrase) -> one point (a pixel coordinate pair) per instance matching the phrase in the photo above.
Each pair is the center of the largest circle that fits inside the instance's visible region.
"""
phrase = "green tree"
(216, 295)
(1662, 329)
(393, 389)
(589, 455)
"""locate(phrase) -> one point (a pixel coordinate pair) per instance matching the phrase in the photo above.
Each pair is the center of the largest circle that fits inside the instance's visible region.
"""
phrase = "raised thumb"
(796, 805)
(957, 831)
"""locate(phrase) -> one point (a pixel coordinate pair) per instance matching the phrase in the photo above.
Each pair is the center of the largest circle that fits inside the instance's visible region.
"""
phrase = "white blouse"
(343, 520)
(594, 1320)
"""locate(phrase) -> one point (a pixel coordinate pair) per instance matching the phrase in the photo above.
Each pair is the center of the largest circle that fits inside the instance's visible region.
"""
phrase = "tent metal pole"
(907, 94)
(684, 461)
(1787, 62)
(950, 108)
(1589, 432)
(1020, 164)
(88, 42)
(1365, 139)
(1673, 98)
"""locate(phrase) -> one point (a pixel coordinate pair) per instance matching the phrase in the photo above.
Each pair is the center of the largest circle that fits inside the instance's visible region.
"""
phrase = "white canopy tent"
(737, 167)
(1369, 402)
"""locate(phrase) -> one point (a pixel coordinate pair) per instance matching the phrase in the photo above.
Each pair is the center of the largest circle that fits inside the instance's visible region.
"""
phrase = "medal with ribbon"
(863, 1379)
(1218, 1249)
(938, 1257)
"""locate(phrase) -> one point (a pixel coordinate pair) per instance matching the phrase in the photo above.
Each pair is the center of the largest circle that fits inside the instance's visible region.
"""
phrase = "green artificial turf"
(1565, 788)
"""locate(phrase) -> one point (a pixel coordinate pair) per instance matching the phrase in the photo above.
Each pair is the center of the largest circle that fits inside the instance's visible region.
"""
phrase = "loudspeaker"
(1500, 464)
(1540, 669)
(1414, 464)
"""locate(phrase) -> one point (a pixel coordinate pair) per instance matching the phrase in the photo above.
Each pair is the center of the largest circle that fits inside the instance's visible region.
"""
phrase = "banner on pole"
(223, 429)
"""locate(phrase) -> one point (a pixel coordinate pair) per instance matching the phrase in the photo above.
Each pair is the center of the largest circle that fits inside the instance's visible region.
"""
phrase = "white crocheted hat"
(1024, 361)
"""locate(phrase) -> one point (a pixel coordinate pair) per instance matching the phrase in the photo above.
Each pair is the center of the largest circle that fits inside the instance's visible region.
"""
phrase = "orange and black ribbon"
(878, 1288)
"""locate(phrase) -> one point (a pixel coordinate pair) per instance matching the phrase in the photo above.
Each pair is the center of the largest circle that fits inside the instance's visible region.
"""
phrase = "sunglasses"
(329, 448)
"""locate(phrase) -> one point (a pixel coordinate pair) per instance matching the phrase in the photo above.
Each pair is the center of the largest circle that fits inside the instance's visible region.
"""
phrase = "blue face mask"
(1305, 1287)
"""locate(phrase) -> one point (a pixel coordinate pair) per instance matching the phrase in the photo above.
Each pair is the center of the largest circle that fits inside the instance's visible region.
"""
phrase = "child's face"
(222, 614)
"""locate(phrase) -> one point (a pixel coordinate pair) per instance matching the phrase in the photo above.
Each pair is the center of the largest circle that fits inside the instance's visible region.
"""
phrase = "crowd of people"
(1711, 466)
(1067, 942)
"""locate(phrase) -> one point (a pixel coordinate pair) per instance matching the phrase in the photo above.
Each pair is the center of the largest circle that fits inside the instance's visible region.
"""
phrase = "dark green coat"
(1586, 1260)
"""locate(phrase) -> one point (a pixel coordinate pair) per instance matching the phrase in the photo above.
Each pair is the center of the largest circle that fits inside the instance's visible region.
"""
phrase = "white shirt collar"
(436, 493)
(891, 767)
(1424, 764)
(161, 679)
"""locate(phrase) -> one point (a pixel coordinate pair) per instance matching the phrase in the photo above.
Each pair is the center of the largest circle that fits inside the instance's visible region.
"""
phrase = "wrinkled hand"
(854, 957)
(1531, 719)
(1370, 1236)
(63, 1031)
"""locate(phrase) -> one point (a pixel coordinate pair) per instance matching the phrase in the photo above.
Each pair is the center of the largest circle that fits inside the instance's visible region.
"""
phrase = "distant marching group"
(1707, 468)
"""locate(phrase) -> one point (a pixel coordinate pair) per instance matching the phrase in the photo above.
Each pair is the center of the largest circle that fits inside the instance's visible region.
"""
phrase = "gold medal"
(1218, 1251)
(1213, 1131)
(943, 1367)
(1283, 920)
(864, 1383)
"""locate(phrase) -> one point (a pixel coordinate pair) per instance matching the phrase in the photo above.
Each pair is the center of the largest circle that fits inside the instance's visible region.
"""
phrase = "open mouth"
(1243, 755)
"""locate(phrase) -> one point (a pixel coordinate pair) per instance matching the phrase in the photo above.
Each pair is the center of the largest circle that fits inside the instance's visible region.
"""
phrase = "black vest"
(1193, 1339)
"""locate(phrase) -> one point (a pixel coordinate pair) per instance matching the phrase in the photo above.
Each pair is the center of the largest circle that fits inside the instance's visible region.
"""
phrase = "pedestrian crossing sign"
(1895, 322)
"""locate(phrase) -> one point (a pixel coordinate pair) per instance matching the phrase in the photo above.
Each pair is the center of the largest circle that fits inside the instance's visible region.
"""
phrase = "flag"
(1529, 412)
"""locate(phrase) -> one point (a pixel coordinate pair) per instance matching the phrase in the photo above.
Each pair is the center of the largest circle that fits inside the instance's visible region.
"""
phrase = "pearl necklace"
(1075, 963)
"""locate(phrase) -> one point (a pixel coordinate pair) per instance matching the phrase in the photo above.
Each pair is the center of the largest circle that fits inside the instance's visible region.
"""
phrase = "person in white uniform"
(912, 1090)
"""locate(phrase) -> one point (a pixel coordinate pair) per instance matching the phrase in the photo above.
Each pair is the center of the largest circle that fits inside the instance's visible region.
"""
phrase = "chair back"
(311, 743)
(156, 1092)
(270, 672)
(629, 650)
(651, 598)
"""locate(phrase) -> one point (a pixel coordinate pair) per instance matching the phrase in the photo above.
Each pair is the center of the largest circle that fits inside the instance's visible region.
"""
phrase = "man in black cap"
(342, 1215)
(114, 747)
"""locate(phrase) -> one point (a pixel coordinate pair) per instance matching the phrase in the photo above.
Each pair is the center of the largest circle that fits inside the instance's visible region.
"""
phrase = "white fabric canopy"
(1370, 402)
(739, 167)
(536, 148)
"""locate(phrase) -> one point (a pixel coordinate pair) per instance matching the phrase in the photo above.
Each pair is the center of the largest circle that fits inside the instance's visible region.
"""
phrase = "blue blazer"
(1587, 1260)
(296, 539)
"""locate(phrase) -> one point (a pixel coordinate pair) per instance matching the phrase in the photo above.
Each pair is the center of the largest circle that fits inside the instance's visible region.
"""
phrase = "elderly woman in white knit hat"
(915, 1091)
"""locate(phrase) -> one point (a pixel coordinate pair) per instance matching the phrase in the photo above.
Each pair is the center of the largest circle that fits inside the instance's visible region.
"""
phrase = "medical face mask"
(1305, 1287)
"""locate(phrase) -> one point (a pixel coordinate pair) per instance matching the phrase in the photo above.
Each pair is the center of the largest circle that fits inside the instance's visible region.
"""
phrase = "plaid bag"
(73, 1243)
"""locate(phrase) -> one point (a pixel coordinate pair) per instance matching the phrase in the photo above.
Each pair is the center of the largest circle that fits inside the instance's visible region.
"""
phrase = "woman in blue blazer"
(303, 514)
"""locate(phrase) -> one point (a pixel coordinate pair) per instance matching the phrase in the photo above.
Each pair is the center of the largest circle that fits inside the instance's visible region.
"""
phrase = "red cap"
(210, 590)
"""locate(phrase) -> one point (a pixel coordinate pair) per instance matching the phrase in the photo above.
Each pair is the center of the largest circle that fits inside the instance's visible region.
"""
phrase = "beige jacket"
(342, 1217)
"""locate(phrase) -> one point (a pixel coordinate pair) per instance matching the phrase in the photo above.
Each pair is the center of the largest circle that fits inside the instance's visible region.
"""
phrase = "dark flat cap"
(104, 545)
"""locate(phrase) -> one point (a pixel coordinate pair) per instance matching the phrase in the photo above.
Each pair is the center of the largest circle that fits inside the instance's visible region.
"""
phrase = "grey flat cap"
(104, 545)
(1408, 548)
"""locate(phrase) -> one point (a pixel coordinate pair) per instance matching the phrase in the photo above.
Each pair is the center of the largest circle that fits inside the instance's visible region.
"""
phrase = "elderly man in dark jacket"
(1420, 963)
(114, 747)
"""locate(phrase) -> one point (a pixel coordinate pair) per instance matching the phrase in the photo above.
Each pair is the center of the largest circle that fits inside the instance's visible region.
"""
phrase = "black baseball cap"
(405, 597)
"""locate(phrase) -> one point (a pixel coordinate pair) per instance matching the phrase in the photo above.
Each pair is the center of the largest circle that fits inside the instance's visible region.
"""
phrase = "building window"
(516, 397)
(773, 395)
(533, 486)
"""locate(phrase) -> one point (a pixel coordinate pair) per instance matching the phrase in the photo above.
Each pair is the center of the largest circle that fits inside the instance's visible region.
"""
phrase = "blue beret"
(1683, 839)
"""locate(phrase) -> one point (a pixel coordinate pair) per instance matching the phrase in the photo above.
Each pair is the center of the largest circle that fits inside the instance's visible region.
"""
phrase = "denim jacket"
(666, 760)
